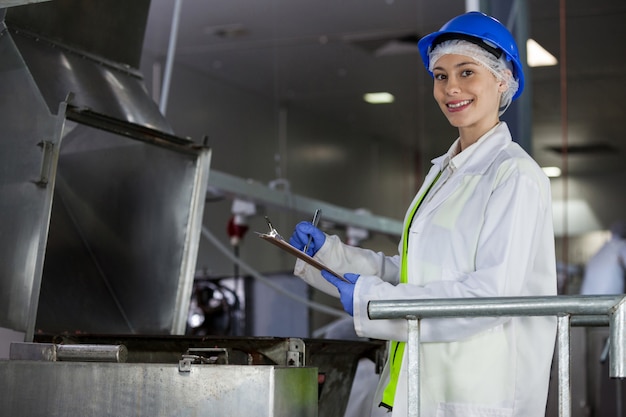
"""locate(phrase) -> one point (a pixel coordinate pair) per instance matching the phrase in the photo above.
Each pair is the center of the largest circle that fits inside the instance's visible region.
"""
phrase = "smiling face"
(468, 94)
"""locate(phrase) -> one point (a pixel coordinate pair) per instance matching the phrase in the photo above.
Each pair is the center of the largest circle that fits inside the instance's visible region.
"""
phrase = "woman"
(480, 226)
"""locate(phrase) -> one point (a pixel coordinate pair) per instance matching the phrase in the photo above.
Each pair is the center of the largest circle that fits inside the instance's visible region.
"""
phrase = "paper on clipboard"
(276, 239)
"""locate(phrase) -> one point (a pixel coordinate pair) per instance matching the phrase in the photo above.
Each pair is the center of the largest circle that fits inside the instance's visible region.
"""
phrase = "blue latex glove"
(346, 290)
(301, 234)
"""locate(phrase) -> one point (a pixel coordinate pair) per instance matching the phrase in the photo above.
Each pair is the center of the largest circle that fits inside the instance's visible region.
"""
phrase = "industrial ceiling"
(324, 55)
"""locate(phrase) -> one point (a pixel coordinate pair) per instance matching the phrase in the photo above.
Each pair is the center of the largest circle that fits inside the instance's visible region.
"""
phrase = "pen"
(314, 222)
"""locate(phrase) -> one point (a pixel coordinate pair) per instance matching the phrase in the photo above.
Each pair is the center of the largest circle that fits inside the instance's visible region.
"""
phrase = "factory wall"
(255, 138)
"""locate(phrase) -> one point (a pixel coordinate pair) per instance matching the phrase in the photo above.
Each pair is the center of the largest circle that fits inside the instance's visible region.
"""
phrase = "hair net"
(500, 67)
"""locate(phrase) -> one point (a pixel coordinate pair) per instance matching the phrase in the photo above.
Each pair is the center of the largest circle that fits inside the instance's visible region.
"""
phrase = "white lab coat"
(604, 272)
(484, 230)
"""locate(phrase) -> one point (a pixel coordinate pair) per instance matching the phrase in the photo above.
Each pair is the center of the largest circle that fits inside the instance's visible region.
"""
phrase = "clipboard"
(276, 239)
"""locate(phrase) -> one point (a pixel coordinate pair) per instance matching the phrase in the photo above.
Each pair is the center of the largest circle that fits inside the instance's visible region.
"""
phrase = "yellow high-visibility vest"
(396, 349)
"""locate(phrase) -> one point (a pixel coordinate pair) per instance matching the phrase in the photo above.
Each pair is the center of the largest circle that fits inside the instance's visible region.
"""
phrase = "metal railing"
(570, 311)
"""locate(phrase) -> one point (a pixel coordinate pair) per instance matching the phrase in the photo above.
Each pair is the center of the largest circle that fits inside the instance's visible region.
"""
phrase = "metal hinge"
(202, 356)
(46, 163)
(295, 353)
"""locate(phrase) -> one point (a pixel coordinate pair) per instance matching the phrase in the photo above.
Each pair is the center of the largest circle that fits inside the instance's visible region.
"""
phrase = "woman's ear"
(503, 86)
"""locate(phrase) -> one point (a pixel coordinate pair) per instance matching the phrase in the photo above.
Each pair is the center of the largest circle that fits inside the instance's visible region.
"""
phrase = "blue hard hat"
(483, 30)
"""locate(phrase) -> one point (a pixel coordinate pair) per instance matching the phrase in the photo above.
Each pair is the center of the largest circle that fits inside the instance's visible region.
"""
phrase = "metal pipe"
(471, 5)
(169, 62)
(413, 346)
(494, 307)
(589, 321)
(563, 349)
(617, 348)
(92, 353)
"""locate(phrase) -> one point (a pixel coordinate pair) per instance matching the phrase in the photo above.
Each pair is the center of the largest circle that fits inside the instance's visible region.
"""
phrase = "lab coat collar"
(486, 150)
(474, 160)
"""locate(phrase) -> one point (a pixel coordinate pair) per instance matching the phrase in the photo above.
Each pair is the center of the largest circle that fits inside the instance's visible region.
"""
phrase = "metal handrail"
(580, 310)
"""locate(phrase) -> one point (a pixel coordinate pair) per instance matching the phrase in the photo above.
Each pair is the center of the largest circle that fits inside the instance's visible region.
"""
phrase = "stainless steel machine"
(175, 375)
(101, 215)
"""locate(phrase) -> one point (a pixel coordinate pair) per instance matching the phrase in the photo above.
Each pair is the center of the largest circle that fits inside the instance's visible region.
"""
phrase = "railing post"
(563, 347)
(596, 310)
(617, 349)
(413, 375)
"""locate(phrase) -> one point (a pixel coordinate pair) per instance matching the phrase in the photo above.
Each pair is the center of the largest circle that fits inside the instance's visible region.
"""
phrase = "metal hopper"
(101, 203)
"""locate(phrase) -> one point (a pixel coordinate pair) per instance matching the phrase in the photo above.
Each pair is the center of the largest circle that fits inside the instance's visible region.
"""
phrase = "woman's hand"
(346, 289)
(301, 234)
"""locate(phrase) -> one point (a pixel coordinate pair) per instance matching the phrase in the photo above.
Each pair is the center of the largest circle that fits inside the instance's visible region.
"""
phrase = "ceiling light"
(552, 172)
(537, 56)
(378, 98)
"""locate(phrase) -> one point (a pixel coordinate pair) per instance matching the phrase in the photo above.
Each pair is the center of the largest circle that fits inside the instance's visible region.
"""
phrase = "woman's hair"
(498, 65)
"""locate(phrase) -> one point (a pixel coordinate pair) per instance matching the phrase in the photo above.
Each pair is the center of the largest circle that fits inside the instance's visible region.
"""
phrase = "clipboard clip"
(272, 232)
(276, 239)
